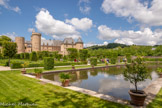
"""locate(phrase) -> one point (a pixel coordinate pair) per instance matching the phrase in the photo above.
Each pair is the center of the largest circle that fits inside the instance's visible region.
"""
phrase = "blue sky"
(96, 21)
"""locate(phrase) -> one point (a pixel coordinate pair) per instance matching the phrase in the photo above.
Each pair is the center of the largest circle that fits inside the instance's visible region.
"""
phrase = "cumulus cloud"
(89, 44)
(141, 37)
(30, 29)
(134, 9)
(81, 24)
(84, 6)
(50, 26)
(5, 4)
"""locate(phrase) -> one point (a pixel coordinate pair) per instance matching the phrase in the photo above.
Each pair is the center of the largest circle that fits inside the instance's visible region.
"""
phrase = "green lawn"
(15, 88)
(157, 102)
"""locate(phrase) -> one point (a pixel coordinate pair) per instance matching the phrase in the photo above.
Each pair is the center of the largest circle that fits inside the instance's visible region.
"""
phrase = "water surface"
(109, 81)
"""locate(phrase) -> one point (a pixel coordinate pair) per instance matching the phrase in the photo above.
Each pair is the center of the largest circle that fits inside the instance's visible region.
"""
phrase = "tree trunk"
(9, 62)
(136, 86)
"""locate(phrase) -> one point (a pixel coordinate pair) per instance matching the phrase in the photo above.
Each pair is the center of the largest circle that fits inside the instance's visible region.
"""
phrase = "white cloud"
(50, 26)
(85, 9)
(134, 9)
(84, 6)
(81, 24)
(94, 44)
(30, 29)
(11, 35)
(105, 43)
(142, 37)
(5, 4)
(106, 33)
(16, 9)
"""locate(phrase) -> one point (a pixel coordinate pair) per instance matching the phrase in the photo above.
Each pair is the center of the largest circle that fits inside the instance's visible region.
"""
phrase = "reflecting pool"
(109, 81)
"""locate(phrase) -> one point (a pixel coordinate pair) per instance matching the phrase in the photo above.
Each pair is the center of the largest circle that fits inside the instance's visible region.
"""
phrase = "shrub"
(1, 56)
(113, 58)
(33, 56)
(15, 65)
(48, 63)
(128, 56)
(64, 76)
(7, 63)
(93, 61)
(36, 65)
(22, 56)
(26, 55)
(38, 70)
(17, 56)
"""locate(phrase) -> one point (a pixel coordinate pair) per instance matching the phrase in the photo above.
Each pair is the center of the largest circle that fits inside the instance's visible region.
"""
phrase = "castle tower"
(36, 41)
(20, 41)
(79, 44)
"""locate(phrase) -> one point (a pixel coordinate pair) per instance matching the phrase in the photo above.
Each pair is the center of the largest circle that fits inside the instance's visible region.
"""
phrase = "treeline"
(133, 50)
(109, 46)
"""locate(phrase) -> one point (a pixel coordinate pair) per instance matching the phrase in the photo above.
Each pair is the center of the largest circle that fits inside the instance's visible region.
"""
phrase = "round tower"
(79, 44)
(20, 41)
(36, 41)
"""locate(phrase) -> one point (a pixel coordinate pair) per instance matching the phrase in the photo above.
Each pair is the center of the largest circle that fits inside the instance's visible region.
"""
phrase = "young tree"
(72, 53)
(136, 72)
(83, 54)
(9, 49)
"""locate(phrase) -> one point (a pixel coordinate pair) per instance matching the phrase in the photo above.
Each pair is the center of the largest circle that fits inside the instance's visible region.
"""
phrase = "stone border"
(69, 70)
(150, 90)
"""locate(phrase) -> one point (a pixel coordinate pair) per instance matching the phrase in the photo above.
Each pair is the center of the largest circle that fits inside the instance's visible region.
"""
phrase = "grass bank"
(157, 102)
(15, 88)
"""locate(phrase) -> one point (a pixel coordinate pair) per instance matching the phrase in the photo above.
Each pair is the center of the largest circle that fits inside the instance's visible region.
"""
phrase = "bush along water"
(64, 79)
(38, 72)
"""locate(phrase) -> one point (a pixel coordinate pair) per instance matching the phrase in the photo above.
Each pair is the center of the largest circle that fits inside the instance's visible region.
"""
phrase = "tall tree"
(9, 50)
(72, 53)
(83, 54)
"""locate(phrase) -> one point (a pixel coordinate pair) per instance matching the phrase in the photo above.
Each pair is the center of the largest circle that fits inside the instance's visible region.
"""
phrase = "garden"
(125, 67)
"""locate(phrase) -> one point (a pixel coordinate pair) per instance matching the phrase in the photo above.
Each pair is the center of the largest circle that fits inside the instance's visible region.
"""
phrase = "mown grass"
(157, 102)
(15, 88)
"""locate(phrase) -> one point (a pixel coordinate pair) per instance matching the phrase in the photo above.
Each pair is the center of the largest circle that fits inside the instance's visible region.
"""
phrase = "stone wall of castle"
(20, 44)
(36, 41)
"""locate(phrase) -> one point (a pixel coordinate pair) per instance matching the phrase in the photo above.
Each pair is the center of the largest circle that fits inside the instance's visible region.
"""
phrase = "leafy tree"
(72, 53)
(9, 50)
(136, 72)
(158, 51)
(83, 54)
(93, 61)
(113, 57)
(4, 39)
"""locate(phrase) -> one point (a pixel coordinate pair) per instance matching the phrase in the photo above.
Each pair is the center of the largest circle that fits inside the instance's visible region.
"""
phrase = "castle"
(36, 44)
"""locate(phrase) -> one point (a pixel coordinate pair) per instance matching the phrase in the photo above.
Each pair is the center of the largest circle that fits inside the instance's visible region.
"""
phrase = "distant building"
(36, 44)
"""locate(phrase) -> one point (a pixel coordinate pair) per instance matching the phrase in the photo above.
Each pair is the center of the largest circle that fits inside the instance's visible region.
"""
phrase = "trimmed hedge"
(113, 58)
(128, 56)
(16, 65)
(26, 56)
(93, 61)
(35, 65)
(152, 59)
(33, 56)
(48, 63)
